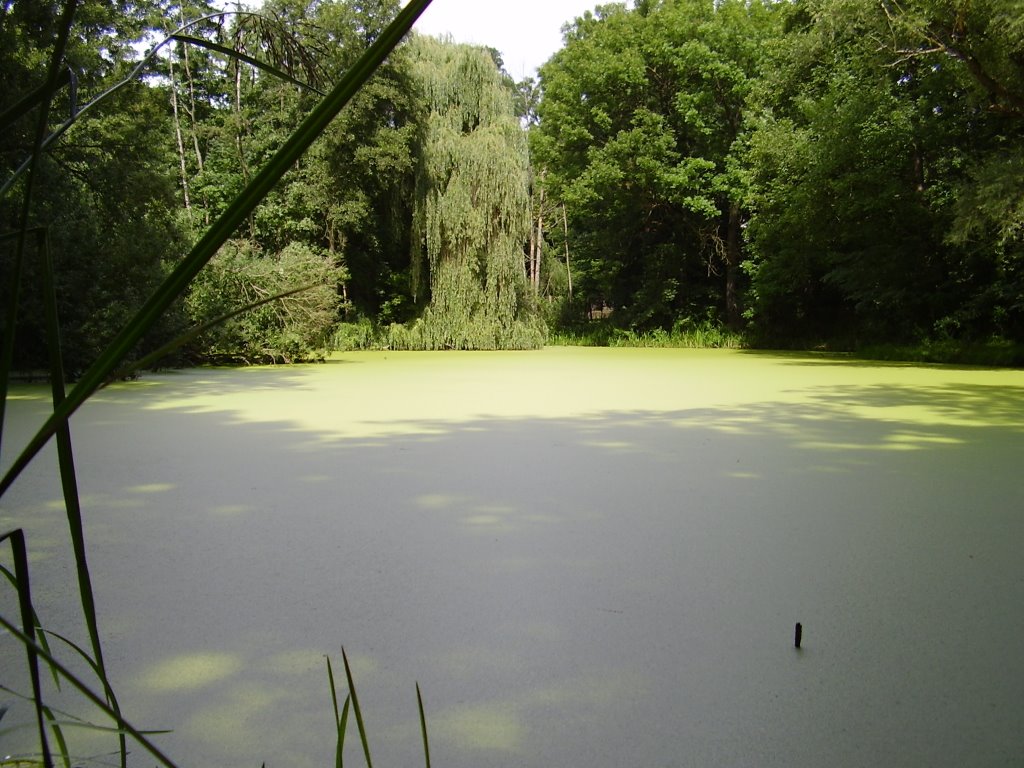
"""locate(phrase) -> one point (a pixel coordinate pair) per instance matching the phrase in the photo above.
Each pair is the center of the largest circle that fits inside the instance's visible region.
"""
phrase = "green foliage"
(352, 704)
(845, 170)
(474, 333)
(351, 194)
(294, 328)
(817, 170)
(642, 126)
(107, 199)
(359, 335)
(472, 207)
(887, 197)
(686, 334)
(871, 264)
(985, 37)
(994, 353)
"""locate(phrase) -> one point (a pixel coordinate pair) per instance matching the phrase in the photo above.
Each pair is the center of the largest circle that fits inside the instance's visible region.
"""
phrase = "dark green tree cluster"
(844, 171)
(818, 170)
(416, 196)
(643, 124)
(320, 228)
(102, 190)
(143, 172)
(898, 129)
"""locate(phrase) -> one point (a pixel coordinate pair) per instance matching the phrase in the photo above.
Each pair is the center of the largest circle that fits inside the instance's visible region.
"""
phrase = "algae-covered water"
(585, 557)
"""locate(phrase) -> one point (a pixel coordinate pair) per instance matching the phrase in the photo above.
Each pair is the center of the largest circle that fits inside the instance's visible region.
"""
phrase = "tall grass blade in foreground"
(66, 721)
(138, 736)
(172, 287)
(40, 635)
(423, 725)
(357, 710)
(28, 623)
(30, 101)
(7, 343)
(56, 726)
(58, 736)
(232, 53)
(178, 281)
(69, 481)
(50, 87)
(340, 721)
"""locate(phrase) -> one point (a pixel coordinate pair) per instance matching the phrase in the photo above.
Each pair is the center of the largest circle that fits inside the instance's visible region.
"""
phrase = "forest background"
(830, 173)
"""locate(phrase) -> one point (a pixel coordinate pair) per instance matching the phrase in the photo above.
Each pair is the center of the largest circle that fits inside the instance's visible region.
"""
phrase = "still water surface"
(586, 557)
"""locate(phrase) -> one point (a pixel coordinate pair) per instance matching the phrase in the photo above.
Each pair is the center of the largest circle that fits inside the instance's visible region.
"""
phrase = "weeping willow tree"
(472, 212)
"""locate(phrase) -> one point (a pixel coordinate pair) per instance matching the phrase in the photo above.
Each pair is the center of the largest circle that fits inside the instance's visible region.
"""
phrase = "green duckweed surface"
(586, 557)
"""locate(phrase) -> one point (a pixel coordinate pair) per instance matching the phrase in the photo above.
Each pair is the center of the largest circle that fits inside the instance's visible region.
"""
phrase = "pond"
(585, 557)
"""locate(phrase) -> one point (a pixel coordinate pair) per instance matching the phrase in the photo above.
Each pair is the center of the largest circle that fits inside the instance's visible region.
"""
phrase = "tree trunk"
(190, 109)
(540, 245)
(178, 136)
(240, 123)
(533, 253)
(733, 315)
(565, 233)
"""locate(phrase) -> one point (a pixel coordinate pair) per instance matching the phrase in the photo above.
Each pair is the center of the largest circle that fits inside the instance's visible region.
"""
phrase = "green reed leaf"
(138, 736)
(28, 622)
(423, 725)
(39, 633)
(236, 54)
(244, 204)
(340, 721)
(191, 333)
(358, 712)
(69, 479)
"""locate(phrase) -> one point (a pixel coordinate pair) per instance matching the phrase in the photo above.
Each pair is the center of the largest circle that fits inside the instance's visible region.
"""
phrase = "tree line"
(844, 170)
(811, 172)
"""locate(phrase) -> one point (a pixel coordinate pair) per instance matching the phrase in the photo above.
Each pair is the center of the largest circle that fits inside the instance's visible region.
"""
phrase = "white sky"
(527, 32)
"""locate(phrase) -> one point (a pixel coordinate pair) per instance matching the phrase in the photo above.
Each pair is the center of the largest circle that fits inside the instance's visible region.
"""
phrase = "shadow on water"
(851, 360)
(977, 405)
(196, 381)
(610, 589)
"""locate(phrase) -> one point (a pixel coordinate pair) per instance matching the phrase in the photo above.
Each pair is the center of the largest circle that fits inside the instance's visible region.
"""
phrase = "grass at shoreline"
(690, 336)
(996, 353)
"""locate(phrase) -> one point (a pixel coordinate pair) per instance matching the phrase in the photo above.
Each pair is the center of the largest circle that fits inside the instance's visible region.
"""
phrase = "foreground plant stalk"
(178, 281)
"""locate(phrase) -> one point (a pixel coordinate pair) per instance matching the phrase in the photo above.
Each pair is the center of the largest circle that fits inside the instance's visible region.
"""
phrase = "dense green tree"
(870, 157)
(104, 190)
(194, 80)
(367, 167)
(642, 125)
(295, 327)
(352, 198)
(342, 206)
(984, 41)
(472, 215)
(986, 37)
